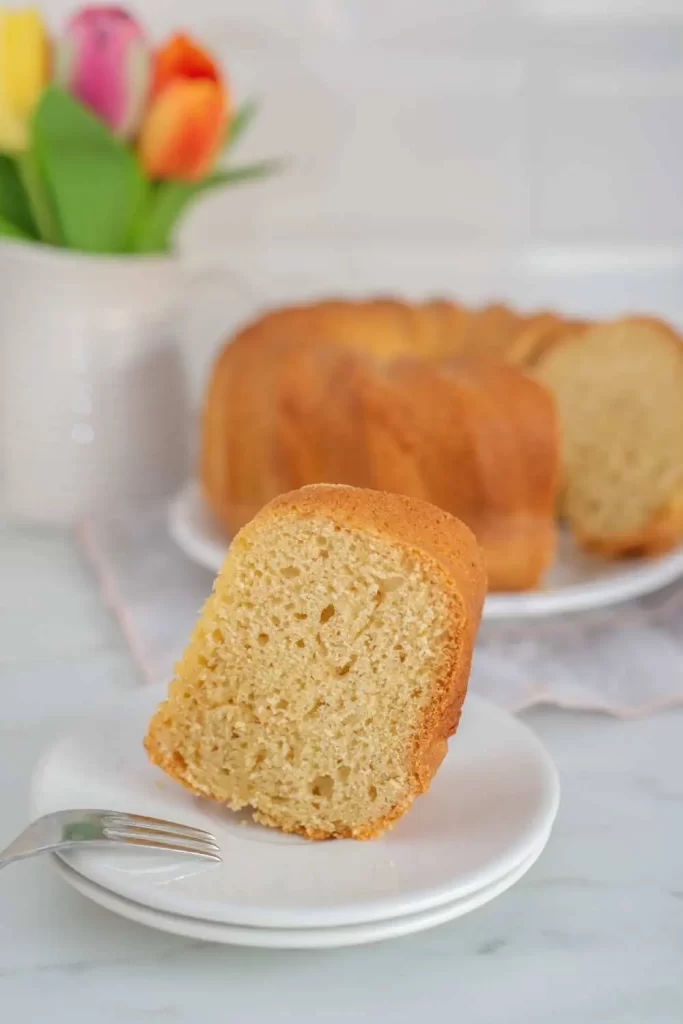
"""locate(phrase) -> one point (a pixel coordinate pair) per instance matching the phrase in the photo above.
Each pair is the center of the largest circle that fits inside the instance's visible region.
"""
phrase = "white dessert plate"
(576, 582)
(295, 938)
(492, 802)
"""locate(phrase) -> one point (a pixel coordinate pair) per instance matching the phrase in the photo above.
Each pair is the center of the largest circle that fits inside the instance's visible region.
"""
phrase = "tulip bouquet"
(104, 141)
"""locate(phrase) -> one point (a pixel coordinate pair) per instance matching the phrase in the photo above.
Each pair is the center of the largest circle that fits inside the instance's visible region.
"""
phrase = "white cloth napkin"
(625, 661)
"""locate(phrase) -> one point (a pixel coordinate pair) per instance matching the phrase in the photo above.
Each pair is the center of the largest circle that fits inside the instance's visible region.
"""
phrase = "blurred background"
(524, 149)
(528, 151)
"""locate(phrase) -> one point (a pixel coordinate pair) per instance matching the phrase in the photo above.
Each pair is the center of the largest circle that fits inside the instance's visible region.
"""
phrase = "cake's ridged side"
(518, 451)
(217, 428)
(491, 331)
(314, 397)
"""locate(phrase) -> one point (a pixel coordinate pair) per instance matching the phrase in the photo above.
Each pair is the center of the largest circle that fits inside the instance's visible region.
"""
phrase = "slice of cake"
(619, 393)
(330, 663)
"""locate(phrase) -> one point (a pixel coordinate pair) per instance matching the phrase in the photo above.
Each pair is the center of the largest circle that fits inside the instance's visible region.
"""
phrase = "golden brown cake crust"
(322, 393)
(380, 393)
(430, 535)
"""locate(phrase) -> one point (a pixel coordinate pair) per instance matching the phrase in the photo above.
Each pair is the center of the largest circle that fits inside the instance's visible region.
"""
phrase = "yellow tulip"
(24, 69)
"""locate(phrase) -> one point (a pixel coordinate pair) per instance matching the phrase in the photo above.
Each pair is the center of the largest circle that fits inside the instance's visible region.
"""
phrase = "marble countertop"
(594, 933)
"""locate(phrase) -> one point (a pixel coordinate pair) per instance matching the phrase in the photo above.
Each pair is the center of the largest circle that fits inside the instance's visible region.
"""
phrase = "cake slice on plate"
(619, 393)
(330, 663)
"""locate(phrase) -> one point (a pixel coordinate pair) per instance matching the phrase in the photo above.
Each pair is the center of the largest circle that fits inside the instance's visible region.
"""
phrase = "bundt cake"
(330, 663)
(619, 393)
(413, 399)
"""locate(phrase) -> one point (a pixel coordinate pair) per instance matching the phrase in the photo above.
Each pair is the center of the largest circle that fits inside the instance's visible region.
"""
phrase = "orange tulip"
(181, 57)
(185, 125)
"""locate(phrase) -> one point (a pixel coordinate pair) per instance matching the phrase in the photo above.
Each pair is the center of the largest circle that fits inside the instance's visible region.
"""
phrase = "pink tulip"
(105, 62)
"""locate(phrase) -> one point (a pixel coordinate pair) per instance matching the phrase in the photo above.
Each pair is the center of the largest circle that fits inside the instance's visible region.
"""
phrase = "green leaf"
(14, 204)
(239, 175)
(39, 199)
(10, 230)
(244, 115)
(169, 199)
(95, 181)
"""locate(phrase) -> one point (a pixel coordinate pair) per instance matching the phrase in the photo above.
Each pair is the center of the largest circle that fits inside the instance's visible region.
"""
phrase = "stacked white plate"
(482, 825)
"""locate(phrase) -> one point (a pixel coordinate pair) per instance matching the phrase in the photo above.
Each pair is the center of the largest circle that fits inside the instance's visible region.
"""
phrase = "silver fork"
(63, 830)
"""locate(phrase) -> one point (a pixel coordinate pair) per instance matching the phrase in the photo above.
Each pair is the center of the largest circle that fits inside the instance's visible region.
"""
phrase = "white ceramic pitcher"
(94, 398)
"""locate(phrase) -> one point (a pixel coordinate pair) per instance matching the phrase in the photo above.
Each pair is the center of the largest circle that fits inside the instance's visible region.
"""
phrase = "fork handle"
(18, 851)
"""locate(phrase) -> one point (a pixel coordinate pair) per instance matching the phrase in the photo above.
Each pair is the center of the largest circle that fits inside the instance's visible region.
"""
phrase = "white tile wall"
(528, 148)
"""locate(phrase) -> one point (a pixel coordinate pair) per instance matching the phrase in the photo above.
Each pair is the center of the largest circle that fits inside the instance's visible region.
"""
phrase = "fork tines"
(169, 835)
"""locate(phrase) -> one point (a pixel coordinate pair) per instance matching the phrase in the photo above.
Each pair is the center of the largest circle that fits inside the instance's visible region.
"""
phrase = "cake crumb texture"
(330, 663)
(618, 388)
